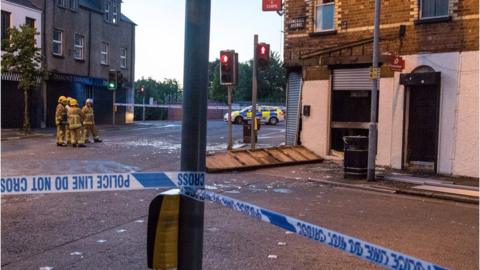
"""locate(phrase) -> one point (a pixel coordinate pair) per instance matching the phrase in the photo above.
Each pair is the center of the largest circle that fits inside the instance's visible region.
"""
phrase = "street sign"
(271, 5)
(374, 73)
(397, 63)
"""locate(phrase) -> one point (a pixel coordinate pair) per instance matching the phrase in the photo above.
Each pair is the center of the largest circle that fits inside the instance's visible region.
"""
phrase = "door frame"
(419, 78)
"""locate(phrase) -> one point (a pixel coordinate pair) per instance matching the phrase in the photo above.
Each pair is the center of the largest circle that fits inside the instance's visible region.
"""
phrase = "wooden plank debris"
(246, 159)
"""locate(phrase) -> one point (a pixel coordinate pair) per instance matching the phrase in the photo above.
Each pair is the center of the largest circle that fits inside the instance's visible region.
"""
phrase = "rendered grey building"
(83, 40)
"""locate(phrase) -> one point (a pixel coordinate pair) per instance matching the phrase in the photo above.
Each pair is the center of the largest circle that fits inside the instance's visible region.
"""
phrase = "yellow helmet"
(73, 102)
(61, 99)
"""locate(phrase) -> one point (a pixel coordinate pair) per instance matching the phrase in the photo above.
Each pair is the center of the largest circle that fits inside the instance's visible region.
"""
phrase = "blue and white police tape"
(188, 182)
(370, 252)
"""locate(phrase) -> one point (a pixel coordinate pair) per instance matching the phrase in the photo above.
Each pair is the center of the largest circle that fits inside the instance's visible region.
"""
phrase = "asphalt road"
(107, 230)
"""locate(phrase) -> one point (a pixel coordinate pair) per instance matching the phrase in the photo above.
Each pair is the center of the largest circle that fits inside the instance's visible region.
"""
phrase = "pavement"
(107, 230)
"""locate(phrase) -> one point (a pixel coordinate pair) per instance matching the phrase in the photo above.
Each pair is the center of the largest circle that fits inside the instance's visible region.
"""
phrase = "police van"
(269, 115)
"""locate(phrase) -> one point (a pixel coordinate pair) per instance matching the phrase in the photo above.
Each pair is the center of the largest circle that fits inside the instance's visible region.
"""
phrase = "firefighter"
(89, 122)
(67, 134)
(75, 119)
(61, 120)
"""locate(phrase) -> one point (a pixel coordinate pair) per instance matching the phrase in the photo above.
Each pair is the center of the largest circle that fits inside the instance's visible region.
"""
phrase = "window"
(107, 11)
(433, 8)
(325, 14)
(30, 22)
(78, 47)
(57, 46)
(61, 3)
(104, 54)
(123, 58)
(5, 27)
(115, 13)
(72, 4)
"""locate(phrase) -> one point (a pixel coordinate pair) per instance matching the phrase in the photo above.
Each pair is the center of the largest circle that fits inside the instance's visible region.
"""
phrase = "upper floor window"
(78, 47)
(62, 3)
(114, 12)
(123, 58)
(324, 15)
(433, 8)
(104, 54)
(5, 27)
(72, 4)
(57, 42)
(107, 11)
(30, 22)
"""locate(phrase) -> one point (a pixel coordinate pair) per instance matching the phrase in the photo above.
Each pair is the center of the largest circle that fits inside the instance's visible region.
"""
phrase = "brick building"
(428, 113)
(84, 39)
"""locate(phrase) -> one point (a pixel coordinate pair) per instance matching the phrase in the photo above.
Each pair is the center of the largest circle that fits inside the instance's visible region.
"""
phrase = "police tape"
(188, 182)
(369, 252)
(192, 184)
(175, 106)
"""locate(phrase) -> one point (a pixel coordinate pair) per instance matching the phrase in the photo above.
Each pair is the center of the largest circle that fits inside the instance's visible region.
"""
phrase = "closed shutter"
(294, 87)
(352, 79)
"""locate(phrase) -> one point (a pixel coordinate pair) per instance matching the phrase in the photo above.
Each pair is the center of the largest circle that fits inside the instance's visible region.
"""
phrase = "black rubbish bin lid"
(356, 141)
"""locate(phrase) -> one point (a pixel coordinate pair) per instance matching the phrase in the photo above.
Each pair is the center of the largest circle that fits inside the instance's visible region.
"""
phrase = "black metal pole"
(372, 129)
(254, 91)
(194, 127)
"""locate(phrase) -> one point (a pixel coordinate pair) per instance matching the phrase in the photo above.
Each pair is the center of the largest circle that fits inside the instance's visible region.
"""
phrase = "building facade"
(427, 113)
(83, 41)
(14, 14)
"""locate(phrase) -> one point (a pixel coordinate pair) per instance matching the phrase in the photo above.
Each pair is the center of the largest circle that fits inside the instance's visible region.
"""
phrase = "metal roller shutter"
(294, 88)
(352, 79)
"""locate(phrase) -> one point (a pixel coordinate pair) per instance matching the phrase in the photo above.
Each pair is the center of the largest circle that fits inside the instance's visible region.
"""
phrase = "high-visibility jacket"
(75, 117)
(89, 117)
(61, 115)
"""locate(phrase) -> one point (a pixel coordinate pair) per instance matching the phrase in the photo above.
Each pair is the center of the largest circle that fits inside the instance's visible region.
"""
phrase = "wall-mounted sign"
(271, 5)
(296, 24)
(397, 63)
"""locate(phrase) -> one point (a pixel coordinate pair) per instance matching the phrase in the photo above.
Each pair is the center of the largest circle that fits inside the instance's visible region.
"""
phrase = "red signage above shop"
(271, 5)
(397, 63)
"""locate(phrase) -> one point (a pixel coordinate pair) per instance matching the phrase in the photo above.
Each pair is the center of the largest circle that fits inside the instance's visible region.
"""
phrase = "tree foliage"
(22, 57)
(271, 82)
(163, 92)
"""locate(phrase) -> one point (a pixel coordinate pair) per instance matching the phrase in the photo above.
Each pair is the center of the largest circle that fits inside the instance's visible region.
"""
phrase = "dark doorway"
(422, 140)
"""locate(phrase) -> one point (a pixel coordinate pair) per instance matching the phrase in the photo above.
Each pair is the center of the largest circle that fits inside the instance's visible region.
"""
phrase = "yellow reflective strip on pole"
(166, 238)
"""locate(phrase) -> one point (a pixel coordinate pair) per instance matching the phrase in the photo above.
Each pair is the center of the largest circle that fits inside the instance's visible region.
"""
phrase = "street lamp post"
(372, 129)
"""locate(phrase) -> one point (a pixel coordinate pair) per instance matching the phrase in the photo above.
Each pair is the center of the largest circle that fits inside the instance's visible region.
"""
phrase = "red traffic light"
(224, 58)
(263, 50)
(228, 67)
(263, 54)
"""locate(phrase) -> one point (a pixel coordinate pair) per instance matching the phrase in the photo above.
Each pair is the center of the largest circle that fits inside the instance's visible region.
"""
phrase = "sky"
(161, 25)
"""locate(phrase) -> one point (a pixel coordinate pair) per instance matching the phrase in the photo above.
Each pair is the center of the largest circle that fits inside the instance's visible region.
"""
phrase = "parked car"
(269, 115)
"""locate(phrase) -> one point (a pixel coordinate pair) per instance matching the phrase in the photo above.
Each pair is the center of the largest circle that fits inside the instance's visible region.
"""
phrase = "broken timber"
(246, 159)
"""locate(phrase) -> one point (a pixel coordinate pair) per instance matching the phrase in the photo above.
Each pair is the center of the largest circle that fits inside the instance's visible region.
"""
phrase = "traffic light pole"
(114, 107)
(229, 119)
(372, 129)
(254, 91)
(194, 128)
(143, 107)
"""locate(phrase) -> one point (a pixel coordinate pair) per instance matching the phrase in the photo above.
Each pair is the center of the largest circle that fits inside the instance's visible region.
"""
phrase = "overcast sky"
(160, 32)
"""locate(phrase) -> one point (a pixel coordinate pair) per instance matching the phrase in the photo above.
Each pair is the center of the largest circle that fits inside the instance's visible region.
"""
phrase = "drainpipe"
(43, 124)
(89, 42)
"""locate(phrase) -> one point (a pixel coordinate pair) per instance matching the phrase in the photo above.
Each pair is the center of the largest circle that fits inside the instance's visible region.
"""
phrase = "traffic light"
(228, 67)
(119, 79)
(142, 89)
(112, 79)
(263, 54)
